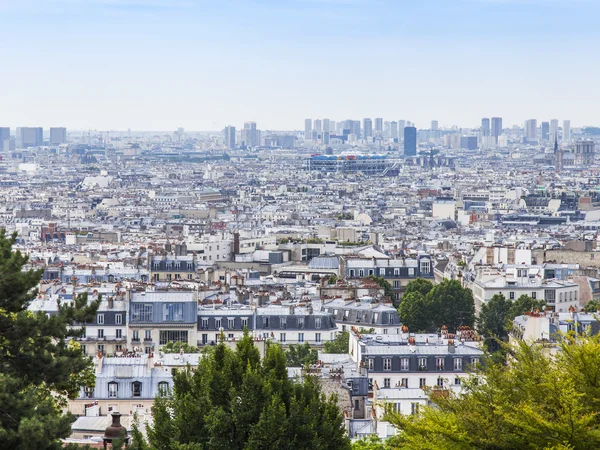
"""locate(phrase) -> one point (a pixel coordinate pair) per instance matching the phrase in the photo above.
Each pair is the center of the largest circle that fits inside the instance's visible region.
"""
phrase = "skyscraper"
(434, 125)
(4, 138)
(485, 127)
(531, 129)
(58, 136)
(545, 130)
(401, 126)
(367, 128)
(326, 125)
(378, 124)
(250, 135)
(307, 128)
(566, 130)
(394, 130)
(229, 137)
(410, 141)
(496, 127)
(30, 137)
(318, 125)
(356, 128)
(553, 129)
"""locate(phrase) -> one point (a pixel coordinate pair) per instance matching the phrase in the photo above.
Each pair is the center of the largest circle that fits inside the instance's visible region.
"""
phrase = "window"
(361, 273)
(204, 323)
(458, 363)
(118, 348)
(387, 363)
(300, 337)
(141, 312)
(266, 322)
(511, 295)
(88, 392)
(414, 408)
(119, 319)
(100, 319)
(84, 349)
(425, 266)
(351, 273)
(422, 363)
(534, 295)
(217, 323)
(404, 363)
(281, 337)
(422, 382)
(386, 382)
(231, 324)
(404, 382)
(317, 322)
(382, 272)
(440, 382)
(136, 335)
(244, 322)
(283, 322)
(118, 333)
(113, 389)
(317, 337)
(396, 284)
(457, 381)
(100, 333)
(147, 335)
(371, 272)
(550, 295)
(101, 348)
(173, 312)
(474, 362)
(301, 323)
(411, 271)
(370, 363)
(357, 404)
(173, 336)
(439, 363)
(136, 389)
(163, 389)
(385, 331)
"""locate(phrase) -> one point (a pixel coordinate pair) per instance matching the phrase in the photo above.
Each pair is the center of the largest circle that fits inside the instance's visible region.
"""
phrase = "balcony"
(135, 340)
(147, 340)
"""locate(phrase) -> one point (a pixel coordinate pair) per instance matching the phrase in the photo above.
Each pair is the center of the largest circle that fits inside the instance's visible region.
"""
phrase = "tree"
(420, 285)
(371, 442)
(301, 355)
(451, 305)
(592, 306)
(339, 345)
(492, 321)
(40, 365)
(332, 279)
(523, 304)
(382, 282)
(234, 400)
(414, 312)
(176, 347)
(535, 402)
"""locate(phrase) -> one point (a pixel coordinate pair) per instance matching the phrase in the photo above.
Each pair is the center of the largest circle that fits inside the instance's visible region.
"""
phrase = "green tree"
(420, 285)
(523, 304)
(535, 402)
(371, 442)
(40, 366)
(332, 279)
(592, 306)
(176, 347)
(340, 344)
(415, 312)
(382, 282)
(492, 321)
(301, 355)
(234, 401)
(451, 305)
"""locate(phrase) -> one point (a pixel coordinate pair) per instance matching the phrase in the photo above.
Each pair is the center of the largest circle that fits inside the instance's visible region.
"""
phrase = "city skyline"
(157, 65)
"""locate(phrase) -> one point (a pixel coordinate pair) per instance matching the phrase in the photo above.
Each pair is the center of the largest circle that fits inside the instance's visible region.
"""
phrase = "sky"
(202, 65)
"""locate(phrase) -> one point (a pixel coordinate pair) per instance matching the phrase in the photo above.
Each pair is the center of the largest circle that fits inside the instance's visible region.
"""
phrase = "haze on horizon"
(201, 65)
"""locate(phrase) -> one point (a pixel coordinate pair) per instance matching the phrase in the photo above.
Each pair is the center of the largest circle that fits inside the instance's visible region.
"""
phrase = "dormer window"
(136, 389)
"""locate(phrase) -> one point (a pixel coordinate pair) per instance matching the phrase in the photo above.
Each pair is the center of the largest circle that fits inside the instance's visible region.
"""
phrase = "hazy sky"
(201, 65)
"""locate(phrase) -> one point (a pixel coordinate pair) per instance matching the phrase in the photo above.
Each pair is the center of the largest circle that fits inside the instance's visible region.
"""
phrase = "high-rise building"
(410, 141)
(545, 130)
(307, 128)
(30, 137)
(250, 135)
(367, 128)
(332, 126)
(325, 137)
(318, 125)
(394, 130)
(378, 124)
(401, 126)
(229, 137)
(468, 142)
(58, 136)
(496, 127)
(531, 129)
(485, 127)
(553, 129)
(434, 125)
(326, 125)
(566, 130)
(356, 128)
(4, 138)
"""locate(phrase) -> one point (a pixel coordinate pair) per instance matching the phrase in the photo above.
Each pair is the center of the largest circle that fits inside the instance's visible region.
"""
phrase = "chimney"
(451, 346)
(111, 302)
(236, 243)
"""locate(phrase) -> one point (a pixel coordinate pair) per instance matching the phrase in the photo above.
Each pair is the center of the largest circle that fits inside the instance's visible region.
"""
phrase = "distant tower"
(367, 127)
(558, 155)
(229, 137)
(485, 127)
(434, 125)
(566, 130)
(307, 128)
(410, 141)
(545, 131)
(496, 127)
(378, 124)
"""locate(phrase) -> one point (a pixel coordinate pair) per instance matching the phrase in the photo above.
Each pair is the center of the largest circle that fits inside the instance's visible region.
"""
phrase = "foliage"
(592, 306)
(314, 241)
(332, 279)
(523, 304)
(385, 284)
(339, 345)
(362, 330)
(426, 308)
(345, 216)
(40, 367)
(233, 400)
(535, 402)
(371, 442)
(301, 355)
(492, 319)
(176, 347)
